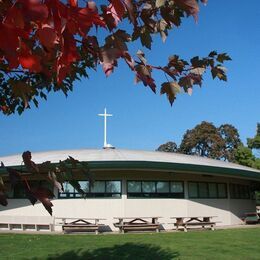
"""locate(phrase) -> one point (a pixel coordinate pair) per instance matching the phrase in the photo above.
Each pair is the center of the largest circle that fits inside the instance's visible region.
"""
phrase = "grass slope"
(220, 244)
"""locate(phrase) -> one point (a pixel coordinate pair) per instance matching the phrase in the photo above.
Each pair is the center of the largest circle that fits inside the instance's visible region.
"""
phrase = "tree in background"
(45, 45)
(203, 140)
(207, 140)
(169, 147)
(254, 143)
(232, 141)
(244, 155)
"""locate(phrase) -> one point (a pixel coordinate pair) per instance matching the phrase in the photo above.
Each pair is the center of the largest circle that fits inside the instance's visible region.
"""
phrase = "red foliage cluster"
(48, 37)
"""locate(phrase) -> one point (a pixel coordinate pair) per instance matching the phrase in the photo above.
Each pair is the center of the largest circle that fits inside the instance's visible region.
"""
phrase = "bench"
(137, 224)
(81, 225)
(26, 223)
(195, 221)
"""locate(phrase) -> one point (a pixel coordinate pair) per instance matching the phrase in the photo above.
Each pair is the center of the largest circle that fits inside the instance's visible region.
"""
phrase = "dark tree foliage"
(232, 141)
(244, 156)
(169, 147)
(203, 140)
(254, 143)
(207, 140)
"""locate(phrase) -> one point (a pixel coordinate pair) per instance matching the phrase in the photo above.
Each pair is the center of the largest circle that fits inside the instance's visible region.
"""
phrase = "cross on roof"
(105, 115)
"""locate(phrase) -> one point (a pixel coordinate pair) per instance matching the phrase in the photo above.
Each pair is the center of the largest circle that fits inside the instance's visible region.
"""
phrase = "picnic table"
(137, 224)
(81, 224)
(203, 221)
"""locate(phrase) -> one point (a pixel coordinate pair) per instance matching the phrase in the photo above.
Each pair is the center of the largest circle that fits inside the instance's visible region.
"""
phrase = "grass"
(220, 244)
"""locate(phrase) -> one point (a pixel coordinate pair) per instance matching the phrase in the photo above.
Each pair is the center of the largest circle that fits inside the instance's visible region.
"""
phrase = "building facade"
(138, 184)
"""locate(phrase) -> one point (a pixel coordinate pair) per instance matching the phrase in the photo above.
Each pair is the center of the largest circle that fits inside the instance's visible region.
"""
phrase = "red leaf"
(117, 9)
(191, 7)
(73, 3)
(30, 62)
(44, 195)
(34, 10)
(108, 57)
(47, 36)
(30, 165)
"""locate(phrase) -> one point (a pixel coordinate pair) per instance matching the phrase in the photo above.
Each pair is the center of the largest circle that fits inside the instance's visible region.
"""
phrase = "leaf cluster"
(47, 45)
(55, 174)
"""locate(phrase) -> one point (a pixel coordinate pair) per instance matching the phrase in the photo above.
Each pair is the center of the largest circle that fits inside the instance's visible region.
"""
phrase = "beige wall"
(228, 211)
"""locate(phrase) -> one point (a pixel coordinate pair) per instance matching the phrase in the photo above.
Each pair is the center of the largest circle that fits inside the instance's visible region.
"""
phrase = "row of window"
(238, 191)
(205, 190)
(99, 189)
(145, 189)
(158, 189)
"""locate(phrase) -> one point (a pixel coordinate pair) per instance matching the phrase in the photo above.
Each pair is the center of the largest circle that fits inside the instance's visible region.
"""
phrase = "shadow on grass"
(126, 252)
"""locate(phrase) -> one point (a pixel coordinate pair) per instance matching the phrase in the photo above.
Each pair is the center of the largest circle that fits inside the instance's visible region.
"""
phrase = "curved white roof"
(114, 155)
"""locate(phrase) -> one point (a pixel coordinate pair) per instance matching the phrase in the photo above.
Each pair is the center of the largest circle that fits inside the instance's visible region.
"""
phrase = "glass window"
(213, 191)
(162, 187)
(99, 187)
(238, 191)
(203, 190)
(222, 190)
(68, 187)
(177, 187)
(134, 186)
(193, 190)
(148, 186)
(113, 186)
(84, 185)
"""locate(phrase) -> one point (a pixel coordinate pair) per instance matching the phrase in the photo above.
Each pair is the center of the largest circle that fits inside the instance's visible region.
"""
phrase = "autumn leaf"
(191, 7)
(143, 73)
(73, 3)
(171, 89)
(44, 195)
(34, 10)
(30, 62)
(117, 8)
(30, 165)
(47, 36)
(223, 57)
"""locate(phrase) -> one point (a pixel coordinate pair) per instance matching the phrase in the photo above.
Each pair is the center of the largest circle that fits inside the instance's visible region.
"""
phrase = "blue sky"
(143, 120)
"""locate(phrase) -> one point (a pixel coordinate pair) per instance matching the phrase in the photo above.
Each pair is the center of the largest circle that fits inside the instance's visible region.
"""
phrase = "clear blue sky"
(141, 119)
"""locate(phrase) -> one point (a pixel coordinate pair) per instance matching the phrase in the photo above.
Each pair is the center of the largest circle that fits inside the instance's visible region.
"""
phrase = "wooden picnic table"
(137, 224)
(80, 224)
(203, 221)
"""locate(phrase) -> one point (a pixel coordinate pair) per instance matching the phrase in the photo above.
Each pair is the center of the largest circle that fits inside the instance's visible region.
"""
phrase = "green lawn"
(220, 244)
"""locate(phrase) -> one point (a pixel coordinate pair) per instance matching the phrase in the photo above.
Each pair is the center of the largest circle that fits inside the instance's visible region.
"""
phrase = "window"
(238, 191)
(222, 190)
(213, 190)
(163, 186)
(155, 189)
(193, 190)
(100, 189)
(205, 190)
(18, 192)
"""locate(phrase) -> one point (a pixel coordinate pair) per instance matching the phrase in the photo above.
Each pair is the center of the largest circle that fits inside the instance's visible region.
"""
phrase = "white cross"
(105, 115)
